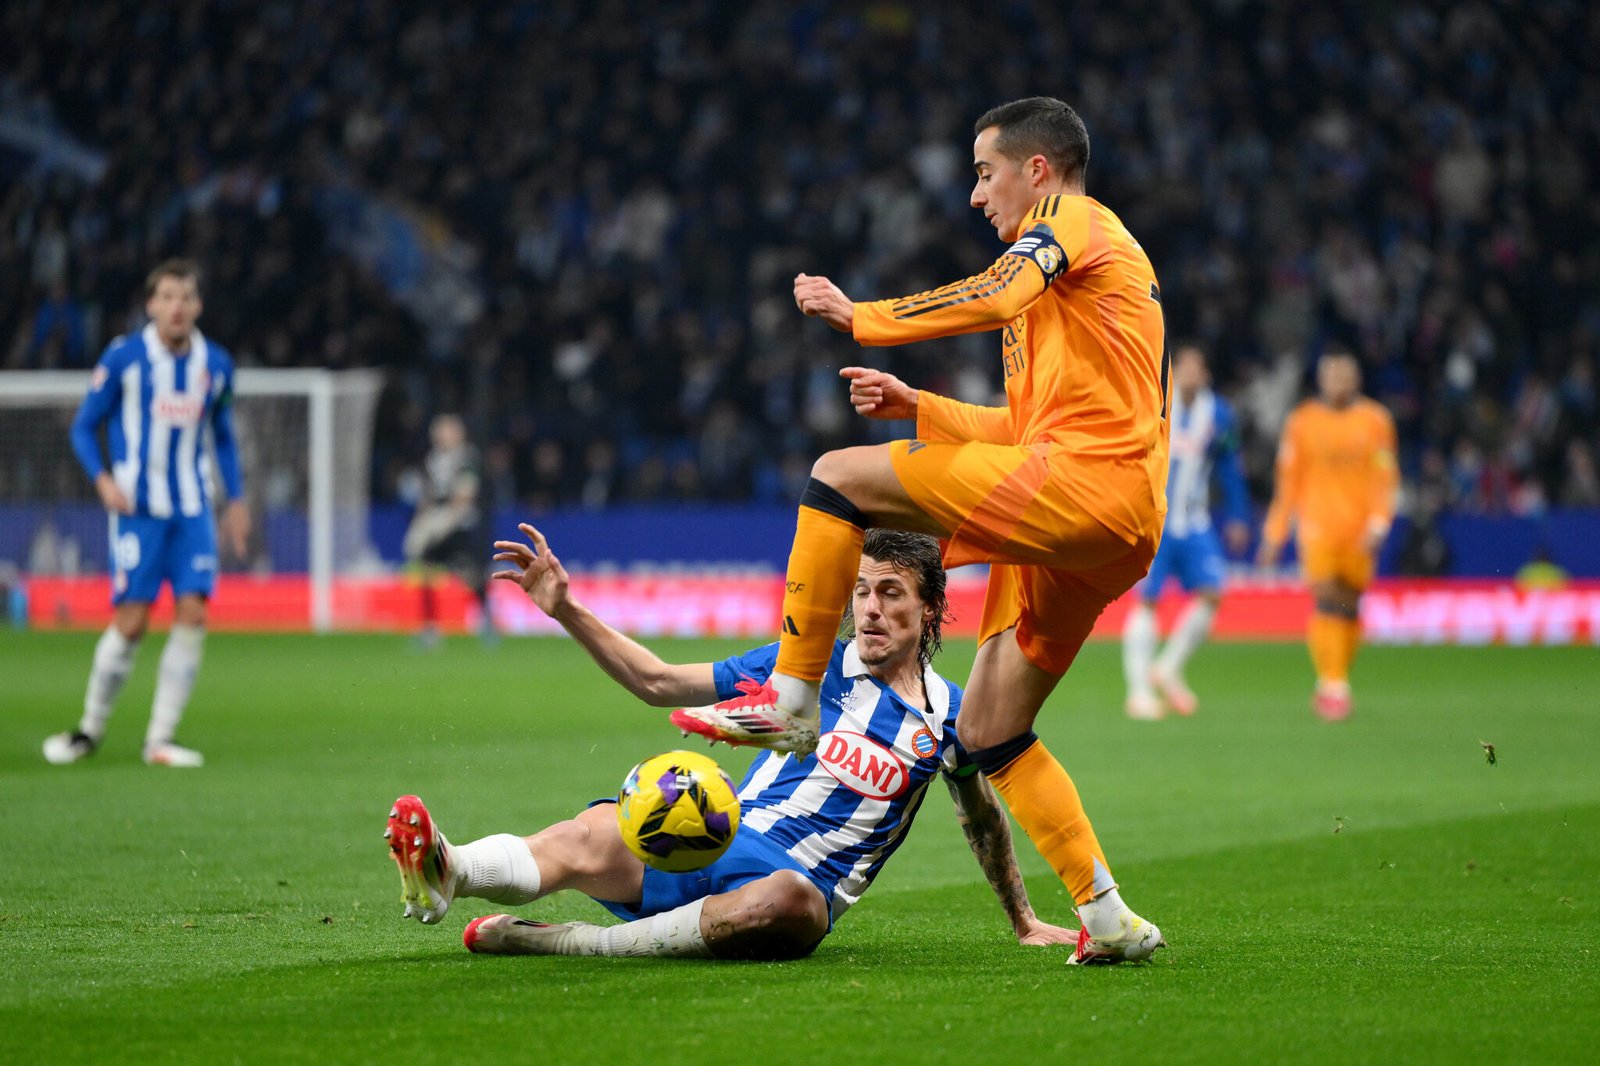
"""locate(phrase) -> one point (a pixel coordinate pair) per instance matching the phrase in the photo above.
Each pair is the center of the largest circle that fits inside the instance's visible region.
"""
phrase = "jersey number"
(128, 551)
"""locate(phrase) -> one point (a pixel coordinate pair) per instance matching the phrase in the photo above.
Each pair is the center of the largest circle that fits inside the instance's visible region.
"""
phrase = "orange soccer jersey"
(1083, 356)
(1336, 475)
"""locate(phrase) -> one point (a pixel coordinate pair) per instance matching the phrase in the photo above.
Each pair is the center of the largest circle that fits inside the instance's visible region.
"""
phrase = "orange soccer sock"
(1352, 641)
(1330, 654)
(822, 571)
(1045, 803)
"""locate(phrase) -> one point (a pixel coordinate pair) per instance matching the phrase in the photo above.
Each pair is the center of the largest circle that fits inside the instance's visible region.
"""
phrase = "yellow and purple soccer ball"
(678, 811)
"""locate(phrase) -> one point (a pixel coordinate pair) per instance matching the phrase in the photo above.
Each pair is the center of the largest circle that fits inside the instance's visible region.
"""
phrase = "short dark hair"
(1040, 125)
(187, 269)
(919, 555)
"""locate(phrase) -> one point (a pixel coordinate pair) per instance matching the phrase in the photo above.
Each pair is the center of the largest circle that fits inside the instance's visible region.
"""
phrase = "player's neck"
(1059, 188)
(178, 345)
(904, 676)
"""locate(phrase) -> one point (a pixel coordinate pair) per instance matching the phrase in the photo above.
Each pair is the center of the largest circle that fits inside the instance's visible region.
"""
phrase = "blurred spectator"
(576, 223)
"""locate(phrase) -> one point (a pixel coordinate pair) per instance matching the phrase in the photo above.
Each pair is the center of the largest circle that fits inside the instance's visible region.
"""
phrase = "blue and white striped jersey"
(157, 404)
(1205, 438)
(843, 811)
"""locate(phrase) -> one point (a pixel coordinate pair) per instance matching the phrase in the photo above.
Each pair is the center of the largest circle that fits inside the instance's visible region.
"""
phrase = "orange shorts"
(1054, 566)
(1345, 561)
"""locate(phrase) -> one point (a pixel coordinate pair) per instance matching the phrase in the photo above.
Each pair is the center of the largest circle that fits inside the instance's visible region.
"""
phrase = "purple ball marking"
(667, 783)
(662, 845)
(717, 822)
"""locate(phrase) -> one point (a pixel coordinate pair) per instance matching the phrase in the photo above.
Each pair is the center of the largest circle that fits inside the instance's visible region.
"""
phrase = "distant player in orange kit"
(1063, 489)
(1336, 484)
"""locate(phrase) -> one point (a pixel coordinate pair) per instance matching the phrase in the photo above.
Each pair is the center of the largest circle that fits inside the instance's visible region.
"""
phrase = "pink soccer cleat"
(753, 719)
(427, 876)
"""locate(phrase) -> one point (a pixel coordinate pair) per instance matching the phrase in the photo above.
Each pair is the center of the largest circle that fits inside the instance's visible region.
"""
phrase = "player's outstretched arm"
(876, 394)
(988, 833)
(985, 301)
(636, 668)
(818, 297)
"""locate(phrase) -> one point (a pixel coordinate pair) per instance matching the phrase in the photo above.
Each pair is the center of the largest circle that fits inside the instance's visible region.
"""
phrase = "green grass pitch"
(1364, 892)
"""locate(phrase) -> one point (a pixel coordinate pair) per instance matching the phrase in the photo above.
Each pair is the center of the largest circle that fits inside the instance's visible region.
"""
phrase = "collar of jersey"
(154, 345)
(933, 686)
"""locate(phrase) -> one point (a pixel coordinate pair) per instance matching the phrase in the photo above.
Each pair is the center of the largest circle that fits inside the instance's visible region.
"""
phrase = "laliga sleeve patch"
(1040, 245)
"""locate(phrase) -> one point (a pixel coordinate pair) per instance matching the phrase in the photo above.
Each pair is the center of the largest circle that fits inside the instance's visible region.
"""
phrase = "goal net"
(305, 447)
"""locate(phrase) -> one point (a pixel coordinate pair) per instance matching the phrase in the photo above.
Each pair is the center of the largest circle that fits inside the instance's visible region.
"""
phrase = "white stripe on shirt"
(190, 501)
(126, 472)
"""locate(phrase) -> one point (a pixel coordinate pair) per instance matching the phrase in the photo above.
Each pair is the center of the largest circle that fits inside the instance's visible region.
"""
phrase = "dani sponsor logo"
(863, 765)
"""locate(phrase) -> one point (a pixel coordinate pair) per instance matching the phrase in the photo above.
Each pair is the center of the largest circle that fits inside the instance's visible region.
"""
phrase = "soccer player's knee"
(978, 734)
(791, 905)
(830, 468)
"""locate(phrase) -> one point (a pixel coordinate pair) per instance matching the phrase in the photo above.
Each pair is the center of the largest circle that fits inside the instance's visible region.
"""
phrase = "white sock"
(180, 662)
(1101, 915)
(498, 868)
(672, 934)
(1138, 648)
(113, 662)
(797, 696)
(1187, 635)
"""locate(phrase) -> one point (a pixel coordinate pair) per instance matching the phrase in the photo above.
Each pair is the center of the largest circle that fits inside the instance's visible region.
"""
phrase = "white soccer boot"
(1179, 696)
(753, 719)
(506, 934)
(1135, 941)
(1144, 707)
(63, 748)
(427, 872)
(174, 755)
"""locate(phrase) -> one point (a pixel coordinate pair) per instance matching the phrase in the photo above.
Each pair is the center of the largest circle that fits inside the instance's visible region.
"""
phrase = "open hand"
(876, 394)
(538, 571)
(1034, 933)
(112, 498)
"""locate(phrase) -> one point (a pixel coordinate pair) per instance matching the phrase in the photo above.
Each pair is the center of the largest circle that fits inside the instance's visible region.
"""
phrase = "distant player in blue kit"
(814, 831)
(1205, 442)
(157, 392)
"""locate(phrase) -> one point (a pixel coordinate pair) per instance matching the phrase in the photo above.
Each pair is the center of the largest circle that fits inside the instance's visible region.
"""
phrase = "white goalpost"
(305, 440)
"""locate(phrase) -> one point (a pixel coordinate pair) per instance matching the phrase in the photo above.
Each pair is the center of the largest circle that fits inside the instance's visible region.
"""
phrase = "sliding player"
(1062, 490)
(813, 833)
(158, 391)
(1336, 484)
(1204, 441)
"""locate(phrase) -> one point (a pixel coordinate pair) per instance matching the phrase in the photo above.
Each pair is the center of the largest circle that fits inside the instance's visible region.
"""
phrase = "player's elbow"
(656, 687)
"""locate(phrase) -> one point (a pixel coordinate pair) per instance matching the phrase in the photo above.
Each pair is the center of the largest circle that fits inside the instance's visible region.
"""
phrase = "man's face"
(173, 307)
(447, 432)
(1189, 372)
(889, 613)
(1005, 191)
(1338, 379)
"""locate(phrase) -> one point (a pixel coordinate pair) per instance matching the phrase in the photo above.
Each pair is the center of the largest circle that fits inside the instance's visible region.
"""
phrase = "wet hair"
(185, 269)
(1040, 125)
(917, 554)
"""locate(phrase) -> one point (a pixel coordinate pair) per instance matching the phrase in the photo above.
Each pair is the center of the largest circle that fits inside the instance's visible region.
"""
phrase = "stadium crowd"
(615, 196)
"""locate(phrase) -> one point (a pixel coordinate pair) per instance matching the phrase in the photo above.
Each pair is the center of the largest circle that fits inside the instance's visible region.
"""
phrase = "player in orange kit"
(1063, 490)
(1336, 484)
